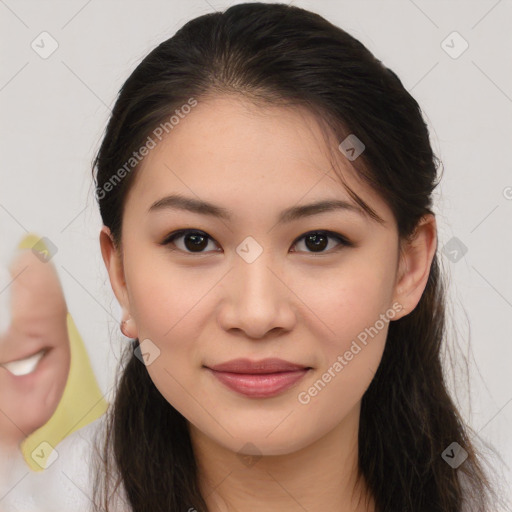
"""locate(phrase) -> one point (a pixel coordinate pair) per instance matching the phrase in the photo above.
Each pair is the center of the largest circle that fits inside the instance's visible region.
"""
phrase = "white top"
(66, 485)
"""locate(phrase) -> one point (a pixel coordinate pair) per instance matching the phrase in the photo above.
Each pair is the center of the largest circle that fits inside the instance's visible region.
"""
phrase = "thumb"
(5, 300)
(33, 303)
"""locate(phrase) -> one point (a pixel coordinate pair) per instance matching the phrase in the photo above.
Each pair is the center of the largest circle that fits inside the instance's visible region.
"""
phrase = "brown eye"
(317, 241)
(192, 241)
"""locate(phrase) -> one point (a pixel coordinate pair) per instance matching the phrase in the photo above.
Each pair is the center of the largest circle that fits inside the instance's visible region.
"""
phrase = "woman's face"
(249, 284)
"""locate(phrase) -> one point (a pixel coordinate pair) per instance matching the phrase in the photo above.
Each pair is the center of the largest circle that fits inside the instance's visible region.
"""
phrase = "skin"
(291, 302)
(38, 319)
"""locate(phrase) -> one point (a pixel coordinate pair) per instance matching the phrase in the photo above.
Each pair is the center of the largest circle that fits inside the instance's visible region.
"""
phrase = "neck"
(321, 476)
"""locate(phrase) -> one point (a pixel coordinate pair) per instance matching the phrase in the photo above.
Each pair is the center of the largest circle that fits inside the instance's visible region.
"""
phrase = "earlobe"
(416, 257)
(114, 265)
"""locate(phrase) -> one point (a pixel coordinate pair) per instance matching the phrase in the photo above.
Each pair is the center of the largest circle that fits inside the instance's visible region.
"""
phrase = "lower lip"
(259, 385)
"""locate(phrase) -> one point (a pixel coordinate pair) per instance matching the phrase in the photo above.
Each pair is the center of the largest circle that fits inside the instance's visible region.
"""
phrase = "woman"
(265, 185)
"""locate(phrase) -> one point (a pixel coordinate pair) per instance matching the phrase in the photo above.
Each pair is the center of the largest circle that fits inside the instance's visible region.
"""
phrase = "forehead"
(235, 151)
(231, 133)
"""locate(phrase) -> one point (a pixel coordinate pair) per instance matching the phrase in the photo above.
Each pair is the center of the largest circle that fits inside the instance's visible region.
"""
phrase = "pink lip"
(259, 379)
(269, 365)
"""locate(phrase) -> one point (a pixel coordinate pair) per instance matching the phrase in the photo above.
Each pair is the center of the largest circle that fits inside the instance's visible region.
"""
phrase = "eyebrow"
(176, 201)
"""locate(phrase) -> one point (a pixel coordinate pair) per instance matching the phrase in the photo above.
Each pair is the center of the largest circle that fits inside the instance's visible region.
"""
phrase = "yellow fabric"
(34, 242)
(82, 401)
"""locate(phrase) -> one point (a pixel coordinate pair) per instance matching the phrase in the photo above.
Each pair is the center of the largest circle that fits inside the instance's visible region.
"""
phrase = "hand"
(34, 351)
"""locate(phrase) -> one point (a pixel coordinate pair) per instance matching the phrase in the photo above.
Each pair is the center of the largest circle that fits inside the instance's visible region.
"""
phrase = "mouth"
(25, 366)
(259, 379)
(269, 365)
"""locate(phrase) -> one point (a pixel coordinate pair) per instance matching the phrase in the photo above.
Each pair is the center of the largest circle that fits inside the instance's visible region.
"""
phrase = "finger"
(5, 300)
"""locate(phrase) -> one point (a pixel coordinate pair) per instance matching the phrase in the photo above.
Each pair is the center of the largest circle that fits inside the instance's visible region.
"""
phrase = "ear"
(113, 262)
(416, 255)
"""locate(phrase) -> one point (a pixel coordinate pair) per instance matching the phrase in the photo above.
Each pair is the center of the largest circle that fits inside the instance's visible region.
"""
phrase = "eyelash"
(344, 242)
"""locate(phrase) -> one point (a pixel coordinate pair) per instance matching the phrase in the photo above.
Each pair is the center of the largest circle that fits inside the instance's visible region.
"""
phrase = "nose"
(256, 299)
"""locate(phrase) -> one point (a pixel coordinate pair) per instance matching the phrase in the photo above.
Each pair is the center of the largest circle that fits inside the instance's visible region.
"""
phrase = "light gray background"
(54, 110)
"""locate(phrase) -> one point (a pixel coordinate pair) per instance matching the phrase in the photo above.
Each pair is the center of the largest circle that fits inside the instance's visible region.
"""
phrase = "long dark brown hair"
(274, 54)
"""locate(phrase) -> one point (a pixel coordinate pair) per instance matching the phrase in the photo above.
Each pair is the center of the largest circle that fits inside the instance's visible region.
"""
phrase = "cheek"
(333, 395)
(349, 363)
(340, 303)
(352, 314)
(162, 300)
(170, 308)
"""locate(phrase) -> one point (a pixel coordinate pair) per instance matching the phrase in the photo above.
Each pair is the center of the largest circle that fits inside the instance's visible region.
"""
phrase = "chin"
(262, 444)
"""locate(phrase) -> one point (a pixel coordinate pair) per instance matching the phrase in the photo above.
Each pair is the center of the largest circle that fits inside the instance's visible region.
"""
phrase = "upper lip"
(270, 365)
(26, 356)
